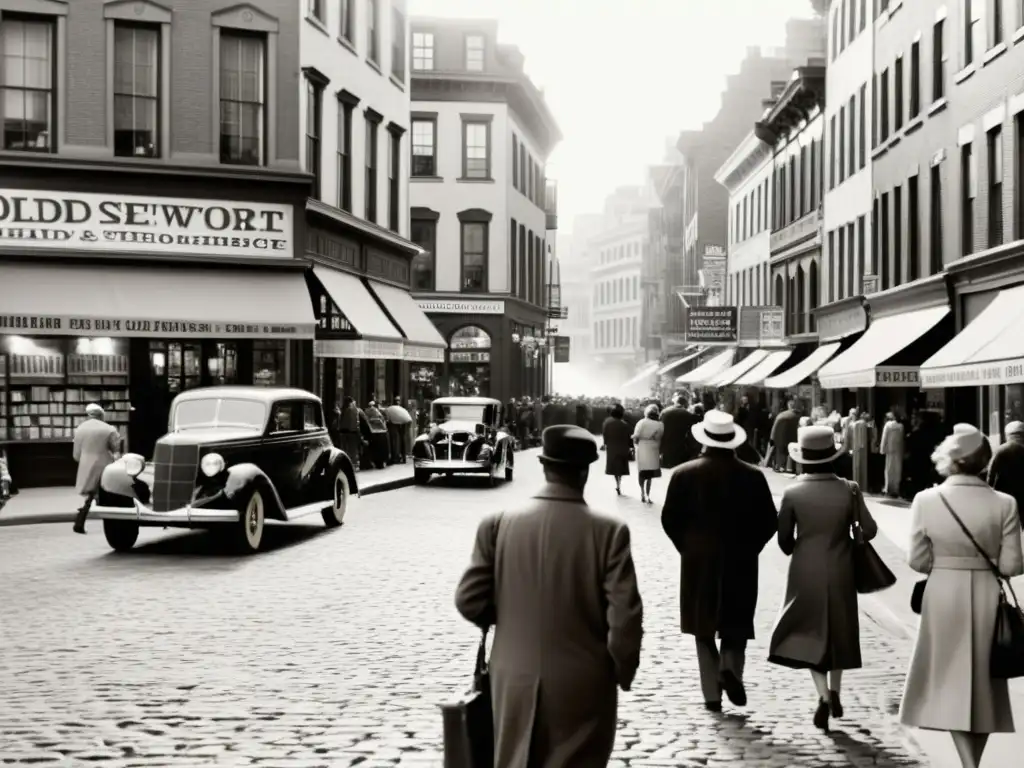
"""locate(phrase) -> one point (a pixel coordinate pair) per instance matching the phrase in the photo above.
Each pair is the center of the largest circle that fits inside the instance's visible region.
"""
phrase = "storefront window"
(426, 382)
(470, 362)
(223, 368)
(1014, 394)
(268, 363)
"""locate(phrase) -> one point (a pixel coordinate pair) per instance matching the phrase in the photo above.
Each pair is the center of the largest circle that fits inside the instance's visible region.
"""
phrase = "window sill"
(937, 106)
(374, 66)
(466, 180)
(896, 5)
(880, 150)
(895, 139)
(965, 73)
(913, 125)
(1018, 35)
(318, 25)
(346, 43)
(993, 53)
(427, 179)
(397, 83)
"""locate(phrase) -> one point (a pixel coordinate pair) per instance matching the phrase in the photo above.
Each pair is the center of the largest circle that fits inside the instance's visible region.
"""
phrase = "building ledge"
(927, 292)
(367, 228)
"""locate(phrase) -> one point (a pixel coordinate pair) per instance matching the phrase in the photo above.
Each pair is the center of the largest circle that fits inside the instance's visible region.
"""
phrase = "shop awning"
(710, 369)
(645, 372)
(764, 369)
(990, 350)
(803, 370)
(422, 340)
(862, 365)
(142, 301)
(679, 361)
(738, 369)
(358, 305)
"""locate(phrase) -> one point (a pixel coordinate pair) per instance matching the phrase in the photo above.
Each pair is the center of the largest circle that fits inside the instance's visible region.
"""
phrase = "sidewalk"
(891, 609)
(58, 505)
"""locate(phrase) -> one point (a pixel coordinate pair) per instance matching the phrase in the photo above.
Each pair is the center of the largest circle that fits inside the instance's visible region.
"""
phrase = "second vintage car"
(466, 436)
(233, 458)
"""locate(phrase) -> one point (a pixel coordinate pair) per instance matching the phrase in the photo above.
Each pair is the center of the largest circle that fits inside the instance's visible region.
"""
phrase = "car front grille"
(174, 475)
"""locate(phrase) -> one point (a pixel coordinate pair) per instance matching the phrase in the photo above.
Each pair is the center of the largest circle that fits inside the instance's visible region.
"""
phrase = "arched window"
(812, 293)
(800, 305)
(470, 337)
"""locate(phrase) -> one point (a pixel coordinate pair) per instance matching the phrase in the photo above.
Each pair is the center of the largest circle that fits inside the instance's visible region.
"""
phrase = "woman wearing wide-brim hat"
(818, 626)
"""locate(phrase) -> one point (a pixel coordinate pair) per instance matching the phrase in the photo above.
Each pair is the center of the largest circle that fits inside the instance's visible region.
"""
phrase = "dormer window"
(475, 47)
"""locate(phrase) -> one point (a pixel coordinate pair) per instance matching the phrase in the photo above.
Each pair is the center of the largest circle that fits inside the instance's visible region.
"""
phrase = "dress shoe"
(835, 705)
(821, 715)
(733, 688)
(79, 529)
(713, 706)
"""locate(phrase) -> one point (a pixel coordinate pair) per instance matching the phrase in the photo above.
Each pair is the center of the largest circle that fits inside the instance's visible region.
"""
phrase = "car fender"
(341, 460)
(116, 480)
(242, 477)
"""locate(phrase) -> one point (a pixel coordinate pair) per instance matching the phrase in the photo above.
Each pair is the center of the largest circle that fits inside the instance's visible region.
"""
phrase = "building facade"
(110, 293)
(481, 208)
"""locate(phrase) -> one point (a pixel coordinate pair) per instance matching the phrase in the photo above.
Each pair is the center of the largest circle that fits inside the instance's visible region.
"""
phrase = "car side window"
(283, 418)
(312, 417)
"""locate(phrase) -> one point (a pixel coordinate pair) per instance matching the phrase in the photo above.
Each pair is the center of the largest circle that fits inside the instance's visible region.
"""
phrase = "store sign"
(70, 325)
(762, 327)
(82, 221)
(977, 375)
(359, 349)
(711, 325)
(891, 376)
(714, 251)
(837, 325)
(713, 276)
(470, 357)
(462, 307)
(562, 345)
(854, 380)
(870, 284)
(422, 354)
(883, 376)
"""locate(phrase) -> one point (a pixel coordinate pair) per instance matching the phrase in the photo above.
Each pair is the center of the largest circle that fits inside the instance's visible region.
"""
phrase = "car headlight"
(212, 464)
(134, 464)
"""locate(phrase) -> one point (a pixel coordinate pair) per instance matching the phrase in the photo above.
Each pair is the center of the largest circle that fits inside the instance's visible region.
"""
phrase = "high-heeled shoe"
(835, 705)
(821, 715)
(618, 491)
(643, 499)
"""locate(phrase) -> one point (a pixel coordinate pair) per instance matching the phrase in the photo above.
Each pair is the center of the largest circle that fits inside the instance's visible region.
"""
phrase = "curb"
(388, 485)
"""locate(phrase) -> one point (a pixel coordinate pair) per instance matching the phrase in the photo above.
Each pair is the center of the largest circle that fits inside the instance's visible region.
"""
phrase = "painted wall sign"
(422, 354)
(562, 349)
(838, 325)
(359, 348)
(761, 326)
(71, 325)
(95, 222)
(711, 324)
(976, 375)
(714, 251)
(462, 306)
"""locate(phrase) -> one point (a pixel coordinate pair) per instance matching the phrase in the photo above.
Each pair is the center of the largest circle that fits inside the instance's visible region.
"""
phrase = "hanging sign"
(711, 325)
(562, 349)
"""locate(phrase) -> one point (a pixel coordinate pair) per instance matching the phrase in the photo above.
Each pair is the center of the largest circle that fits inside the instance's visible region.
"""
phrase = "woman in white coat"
(948, 686)
(647, 436)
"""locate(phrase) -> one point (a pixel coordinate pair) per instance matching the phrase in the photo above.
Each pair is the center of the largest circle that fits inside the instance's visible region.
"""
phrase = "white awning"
(645, 372)
(764, 369)
(358, 305)
(738, 369)
(989, 351)
(423, 342)
(679, 361)
(862, 364)
(154, 301)
(803, 370)
(710, 369)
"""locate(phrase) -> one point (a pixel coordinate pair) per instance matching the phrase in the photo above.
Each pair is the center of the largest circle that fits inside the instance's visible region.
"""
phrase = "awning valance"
(738, 369)
(423, 343)
(710, 369)
(679, 361)
(358, 305)
(154, 302)
(803, 370)
(989, 351)
(645, 372)
(764, 369)
(862, 365)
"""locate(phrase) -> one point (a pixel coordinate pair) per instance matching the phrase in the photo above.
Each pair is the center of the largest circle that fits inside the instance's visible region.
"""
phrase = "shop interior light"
(83, 347)
(102, 346)
(20, 345)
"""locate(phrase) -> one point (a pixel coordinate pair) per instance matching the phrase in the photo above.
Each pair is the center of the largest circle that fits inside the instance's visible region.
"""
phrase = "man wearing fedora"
(96, 445)
(564, 641)
(1006, 472)
(719, 514)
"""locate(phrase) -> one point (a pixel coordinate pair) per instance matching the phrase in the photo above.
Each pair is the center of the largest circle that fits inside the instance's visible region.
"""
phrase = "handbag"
(870, 573)
(468, 722)
(917, 596)
(1007, 659)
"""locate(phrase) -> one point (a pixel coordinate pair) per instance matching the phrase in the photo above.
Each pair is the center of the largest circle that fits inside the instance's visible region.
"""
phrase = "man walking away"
(564, 640)
(1006, 472)
(719, 514)
(348, 430)
(677, 443)
(399, 420)
(96, 446)
(784, 431)
(893, 447)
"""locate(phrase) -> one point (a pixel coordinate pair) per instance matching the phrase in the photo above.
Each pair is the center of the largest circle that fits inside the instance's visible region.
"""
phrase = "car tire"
(121, 534)
(420, 476)
(509, 467)
(334, 515)
(247, 533)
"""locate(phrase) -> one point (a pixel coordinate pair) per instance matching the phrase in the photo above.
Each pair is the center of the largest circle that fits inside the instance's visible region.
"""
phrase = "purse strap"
(481, 655)
(855, 501)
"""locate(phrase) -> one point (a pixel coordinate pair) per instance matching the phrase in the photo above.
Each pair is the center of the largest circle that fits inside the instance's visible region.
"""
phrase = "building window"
(1018, 197)
(136, 91)
(967, 193)
(839, 263)
(884, 237)
(315, 8)
(973, 30)
(424, 234)
(346, 20)
(883, 98)
(851, 167)
(424, 147)
(373, 120)
(897, 236)
(841, 154)
(29, 102)
(523, 265)
(915, 79)
(835, 33)
(242, 98)
(314, 122)
(862, 138)
(346, 105)
(394, 177)
(423, 51)
(995, 187)
(938, 60)
(475, 47)
(516, 277)
(863, 15)
(897, 94)
(476, 150)
(515, 162)
(997, 22)
(373, 30)
(832, 146)
(913, 230)
(861, 248)
(398, 44)
(935, 221)
(474, 256)
(875, 229)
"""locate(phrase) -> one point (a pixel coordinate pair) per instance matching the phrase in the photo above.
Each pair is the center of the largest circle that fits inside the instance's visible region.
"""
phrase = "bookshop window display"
(469, 356)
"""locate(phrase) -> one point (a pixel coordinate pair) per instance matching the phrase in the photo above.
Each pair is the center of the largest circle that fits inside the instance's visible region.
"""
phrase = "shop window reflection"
(1014, 398)
(268, 363)
(470, 362)
(223, 368)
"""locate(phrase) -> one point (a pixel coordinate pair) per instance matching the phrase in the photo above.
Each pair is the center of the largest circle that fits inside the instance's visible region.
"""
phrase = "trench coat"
(648, 434)
(95, 446)
(1006, 472)
(719, 514)
(893, 447)
(677, 443)
(818, 626)
(618, 440)
(948, 686)
(565, 638)
(784, 432)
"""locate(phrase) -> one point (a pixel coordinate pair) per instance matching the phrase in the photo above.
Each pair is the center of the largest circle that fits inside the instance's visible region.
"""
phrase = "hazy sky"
(665, 59)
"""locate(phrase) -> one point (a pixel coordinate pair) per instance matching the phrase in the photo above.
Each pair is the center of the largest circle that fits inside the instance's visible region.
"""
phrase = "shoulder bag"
(1007, 660)
(870, 573)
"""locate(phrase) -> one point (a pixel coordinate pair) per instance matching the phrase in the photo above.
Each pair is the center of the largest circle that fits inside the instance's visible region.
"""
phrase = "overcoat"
(818, 626)
(677, 443)
(719, 514)
(557, 580)
(95, 445)
(618, 439)
(784, 432)
(948, 685)
(648, 434)
(1006, 472)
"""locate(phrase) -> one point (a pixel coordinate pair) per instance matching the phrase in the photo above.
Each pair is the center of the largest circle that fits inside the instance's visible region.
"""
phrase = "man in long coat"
(557, 580)
(677, 443)
(784, 430)
(719, 514)
(1006, 472)
(96, 445)
(892, 448)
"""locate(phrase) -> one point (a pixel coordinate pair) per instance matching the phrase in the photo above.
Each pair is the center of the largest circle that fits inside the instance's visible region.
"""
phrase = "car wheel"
(334, 515)
(248, 531)
(420, 476)
(509, 467)
(121, 535)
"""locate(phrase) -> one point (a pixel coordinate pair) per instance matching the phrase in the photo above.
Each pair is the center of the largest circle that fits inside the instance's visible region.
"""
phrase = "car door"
(283, 450)
(316, 450)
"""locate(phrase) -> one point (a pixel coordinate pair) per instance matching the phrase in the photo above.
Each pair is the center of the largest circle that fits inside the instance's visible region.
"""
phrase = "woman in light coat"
(949, 687)
(647, 436)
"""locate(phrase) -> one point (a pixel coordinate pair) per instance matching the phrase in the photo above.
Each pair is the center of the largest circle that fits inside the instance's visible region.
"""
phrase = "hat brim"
(797, 455)
(738, 439)
(566, 462)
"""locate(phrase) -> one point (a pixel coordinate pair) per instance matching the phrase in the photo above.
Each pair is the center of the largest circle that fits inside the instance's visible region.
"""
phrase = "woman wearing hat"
(647, 436)
(617, 442)
(949, 686)
(818, 627)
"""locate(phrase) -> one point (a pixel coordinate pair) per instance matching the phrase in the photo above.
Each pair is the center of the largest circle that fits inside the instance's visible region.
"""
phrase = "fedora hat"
(814, 445)
(718, 430)
(568, 445)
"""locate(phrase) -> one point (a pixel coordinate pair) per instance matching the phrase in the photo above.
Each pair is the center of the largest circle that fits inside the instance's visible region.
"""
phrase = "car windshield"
(459, 412)
(220, 412)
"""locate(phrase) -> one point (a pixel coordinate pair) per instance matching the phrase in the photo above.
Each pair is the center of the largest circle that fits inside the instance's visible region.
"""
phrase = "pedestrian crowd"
(565, 642)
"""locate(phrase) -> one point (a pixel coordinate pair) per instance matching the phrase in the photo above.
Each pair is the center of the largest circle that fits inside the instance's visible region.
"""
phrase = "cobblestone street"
(334, 648)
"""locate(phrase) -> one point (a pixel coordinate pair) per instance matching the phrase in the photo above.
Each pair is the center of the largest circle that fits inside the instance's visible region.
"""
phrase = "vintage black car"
(233, 457)
(466, 436)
